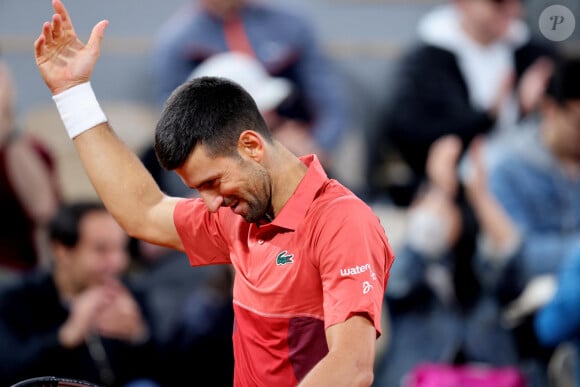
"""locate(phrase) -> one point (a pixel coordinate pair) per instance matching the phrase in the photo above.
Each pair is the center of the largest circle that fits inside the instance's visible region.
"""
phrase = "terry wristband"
(79, 109)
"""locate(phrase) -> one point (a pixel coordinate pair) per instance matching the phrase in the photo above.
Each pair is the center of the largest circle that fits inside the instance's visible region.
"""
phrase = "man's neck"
(287, 172)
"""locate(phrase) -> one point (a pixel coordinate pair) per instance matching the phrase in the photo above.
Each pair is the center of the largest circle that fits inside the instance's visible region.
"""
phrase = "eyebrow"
(205, 182)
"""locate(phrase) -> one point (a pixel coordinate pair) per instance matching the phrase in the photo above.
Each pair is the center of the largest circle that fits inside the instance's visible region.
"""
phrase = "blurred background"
(438, 304)
(365, 38)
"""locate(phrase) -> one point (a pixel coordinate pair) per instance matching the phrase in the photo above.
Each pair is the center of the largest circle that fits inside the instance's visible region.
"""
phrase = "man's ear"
(251, 144)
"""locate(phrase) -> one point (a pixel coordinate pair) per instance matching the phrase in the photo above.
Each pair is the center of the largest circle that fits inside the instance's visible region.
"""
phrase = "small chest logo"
(284, 258)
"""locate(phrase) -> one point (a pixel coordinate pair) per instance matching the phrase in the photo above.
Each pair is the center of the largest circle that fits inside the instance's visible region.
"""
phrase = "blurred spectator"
(474, 70)
(78, 321)
(537, 184)
(286, 46)
(558, 321)
(429, 322)
(28, 189)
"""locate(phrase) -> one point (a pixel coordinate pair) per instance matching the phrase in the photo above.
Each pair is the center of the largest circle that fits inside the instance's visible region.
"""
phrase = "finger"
(47, 32)
(477, 143)
(61, 10)
(547, 67)
(544, 63)
(39, 46)
(97, 34)
(508, 83)
(56, 26)
(476, 152)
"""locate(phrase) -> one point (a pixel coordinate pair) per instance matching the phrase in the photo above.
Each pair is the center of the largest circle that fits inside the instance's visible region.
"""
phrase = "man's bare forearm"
(122, 182)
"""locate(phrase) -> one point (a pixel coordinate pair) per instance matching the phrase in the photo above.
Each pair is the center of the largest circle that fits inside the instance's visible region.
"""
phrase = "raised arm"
(122, 182)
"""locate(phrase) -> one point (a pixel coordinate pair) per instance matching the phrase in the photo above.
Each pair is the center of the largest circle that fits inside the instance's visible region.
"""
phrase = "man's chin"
(246, 212)
(255, 218)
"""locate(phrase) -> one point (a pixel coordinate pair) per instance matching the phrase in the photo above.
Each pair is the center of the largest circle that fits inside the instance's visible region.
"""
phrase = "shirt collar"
(296, 207)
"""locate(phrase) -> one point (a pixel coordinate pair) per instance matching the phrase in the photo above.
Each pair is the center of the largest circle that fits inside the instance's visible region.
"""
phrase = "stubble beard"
(260, 204)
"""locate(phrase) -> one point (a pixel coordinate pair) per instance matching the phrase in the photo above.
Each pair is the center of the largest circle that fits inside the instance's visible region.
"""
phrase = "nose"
(115, 261)
(120, 260)
(212, 201)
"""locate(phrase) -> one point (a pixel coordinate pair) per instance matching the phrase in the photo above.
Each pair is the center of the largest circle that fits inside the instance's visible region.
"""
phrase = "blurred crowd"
(473, 166)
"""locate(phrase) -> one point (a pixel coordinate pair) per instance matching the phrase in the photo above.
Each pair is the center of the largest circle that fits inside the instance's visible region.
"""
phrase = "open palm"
(62, 59)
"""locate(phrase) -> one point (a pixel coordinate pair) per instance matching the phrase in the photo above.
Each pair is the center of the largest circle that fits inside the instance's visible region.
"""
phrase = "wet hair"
(211, 111)
(64, 226)
(564, 84)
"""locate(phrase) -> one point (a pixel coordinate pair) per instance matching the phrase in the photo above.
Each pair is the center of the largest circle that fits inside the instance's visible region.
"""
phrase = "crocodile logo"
(284, 258)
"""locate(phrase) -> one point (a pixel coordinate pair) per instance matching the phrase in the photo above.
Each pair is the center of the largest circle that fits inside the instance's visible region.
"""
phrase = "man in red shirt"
(311, 259)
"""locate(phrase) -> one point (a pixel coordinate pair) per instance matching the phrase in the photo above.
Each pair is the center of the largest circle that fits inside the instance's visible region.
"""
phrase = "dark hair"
(565, 82)
(207, 110)
(64, 226)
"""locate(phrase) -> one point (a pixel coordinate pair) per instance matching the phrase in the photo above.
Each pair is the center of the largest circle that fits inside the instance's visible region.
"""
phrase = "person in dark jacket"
(78, 320)
(475, 69)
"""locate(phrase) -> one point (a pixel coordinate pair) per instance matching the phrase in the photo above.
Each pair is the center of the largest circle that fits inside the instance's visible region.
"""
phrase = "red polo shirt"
(324, 258)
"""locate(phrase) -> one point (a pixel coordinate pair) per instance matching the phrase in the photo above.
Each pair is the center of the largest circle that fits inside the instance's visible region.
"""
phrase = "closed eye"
(208, 184)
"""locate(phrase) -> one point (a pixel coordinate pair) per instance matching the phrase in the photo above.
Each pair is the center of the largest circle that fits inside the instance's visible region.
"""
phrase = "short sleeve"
(200, 233)
(354, 262)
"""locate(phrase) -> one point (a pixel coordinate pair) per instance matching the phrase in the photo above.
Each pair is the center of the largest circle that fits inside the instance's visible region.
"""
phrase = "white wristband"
(79, 109)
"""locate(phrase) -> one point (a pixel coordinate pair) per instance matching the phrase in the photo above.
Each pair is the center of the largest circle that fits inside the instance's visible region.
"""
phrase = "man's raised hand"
(62, 59)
